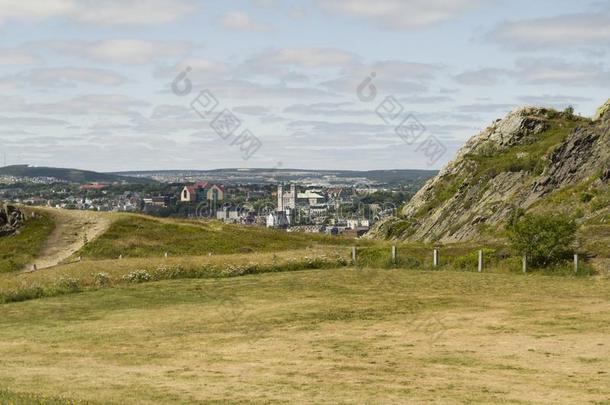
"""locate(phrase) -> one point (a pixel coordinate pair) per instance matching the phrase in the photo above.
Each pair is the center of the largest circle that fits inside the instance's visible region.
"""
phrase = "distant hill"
(260, 176)
(71, 175)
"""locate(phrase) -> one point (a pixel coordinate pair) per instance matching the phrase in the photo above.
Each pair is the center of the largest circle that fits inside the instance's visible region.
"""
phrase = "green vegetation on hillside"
(19, 250)
(530, 157)
(137, 236)
(330, 336)
(70, 175)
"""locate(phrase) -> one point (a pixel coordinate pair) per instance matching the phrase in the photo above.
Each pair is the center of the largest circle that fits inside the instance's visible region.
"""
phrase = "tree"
(544, 238)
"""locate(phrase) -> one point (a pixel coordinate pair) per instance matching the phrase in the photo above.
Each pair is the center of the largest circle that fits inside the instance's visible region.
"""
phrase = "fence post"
(480, 261)
(120, 257)
(354, 254)
(393, 254)
(34, 267)
(575, 262)
(435, 258)
(166, 254)
(524, 263)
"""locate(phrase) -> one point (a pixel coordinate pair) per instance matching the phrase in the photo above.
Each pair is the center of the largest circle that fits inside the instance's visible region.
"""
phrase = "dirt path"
(72, 228)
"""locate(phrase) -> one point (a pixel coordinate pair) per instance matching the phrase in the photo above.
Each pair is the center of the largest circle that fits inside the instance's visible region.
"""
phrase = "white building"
(286, 200)
(277, 220)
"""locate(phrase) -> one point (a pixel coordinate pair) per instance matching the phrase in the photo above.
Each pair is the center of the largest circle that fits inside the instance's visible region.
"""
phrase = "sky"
(122, 85)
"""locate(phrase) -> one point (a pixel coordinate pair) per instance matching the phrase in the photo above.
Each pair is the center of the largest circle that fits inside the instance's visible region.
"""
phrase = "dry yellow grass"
(327, 336)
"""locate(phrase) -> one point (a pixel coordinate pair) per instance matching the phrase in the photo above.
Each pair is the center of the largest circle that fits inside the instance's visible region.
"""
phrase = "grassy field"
(139, 236)
(317, 336)
(19, 250)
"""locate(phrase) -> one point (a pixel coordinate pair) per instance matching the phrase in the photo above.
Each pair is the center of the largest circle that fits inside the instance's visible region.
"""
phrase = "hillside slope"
(534, 159)
(70, 175)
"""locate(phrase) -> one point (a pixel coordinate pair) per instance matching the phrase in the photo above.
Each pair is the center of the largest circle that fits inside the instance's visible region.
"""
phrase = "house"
(310, 197)
(228, 215)
(162, 201)
(201, 191)
(188, 194)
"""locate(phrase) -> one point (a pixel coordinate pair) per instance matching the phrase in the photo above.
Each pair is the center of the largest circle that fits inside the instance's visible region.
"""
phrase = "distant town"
(295, 201)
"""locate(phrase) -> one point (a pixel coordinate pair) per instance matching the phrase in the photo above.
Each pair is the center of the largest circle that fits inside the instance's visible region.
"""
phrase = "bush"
(101, 280)
(68, 284)
(138, 276)
(545, 238)
(470, 261)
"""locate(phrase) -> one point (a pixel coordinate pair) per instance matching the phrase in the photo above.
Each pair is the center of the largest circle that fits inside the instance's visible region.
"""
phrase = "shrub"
(68, 284)
(544, 238)
(101, 280)
(138, 276)
(470, 261)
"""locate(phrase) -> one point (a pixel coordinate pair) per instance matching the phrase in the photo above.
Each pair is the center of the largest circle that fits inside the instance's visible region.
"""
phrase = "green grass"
(137, 236)
(317, 336)
(529, 157)
(19, 250)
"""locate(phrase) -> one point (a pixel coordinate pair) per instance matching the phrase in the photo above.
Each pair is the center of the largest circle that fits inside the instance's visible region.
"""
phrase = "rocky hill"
(533, 159)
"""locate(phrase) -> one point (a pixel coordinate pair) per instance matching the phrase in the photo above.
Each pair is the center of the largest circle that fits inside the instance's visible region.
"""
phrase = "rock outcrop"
(11, 219)
(512, 165)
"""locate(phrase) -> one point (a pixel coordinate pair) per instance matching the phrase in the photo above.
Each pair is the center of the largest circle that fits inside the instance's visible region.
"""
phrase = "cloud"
(400, 14)
(538, 71)
(485, 108)
(302, 57)
(107, 12)
(327, 109)
(31, 121)
(582, 30)
(556, 101)
(559, 72)
(553, 99)
(62, 77)
(15, 56)
(124, 51)
(481, 77)
(255, 110)
(240, 21)
(92, 104)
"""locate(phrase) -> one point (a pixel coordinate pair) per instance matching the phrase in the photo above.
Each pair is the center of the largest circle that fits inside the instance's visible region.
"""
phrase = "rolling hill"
(69, 175)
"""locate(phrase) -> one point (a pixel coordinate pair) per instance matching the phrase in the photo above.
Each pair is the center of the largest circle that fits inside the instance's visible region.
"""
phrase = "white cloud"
(559, 72)
(575, 30)
(90, 104)
(401, 14)
(481, 77)
(304, 57)
(107, 12)
(240, 21)
(15, 56)
(538, 71)
(126, 51)
(62, 77)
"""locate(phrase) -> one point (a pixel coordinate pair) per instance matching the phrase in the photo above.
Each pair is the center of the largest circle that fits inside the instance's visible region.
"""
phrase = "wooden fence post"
(524, 263)
(166, 254)
(435, 258)
(393, 254)
(575, 262)
(354, 254)
(480, 261)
